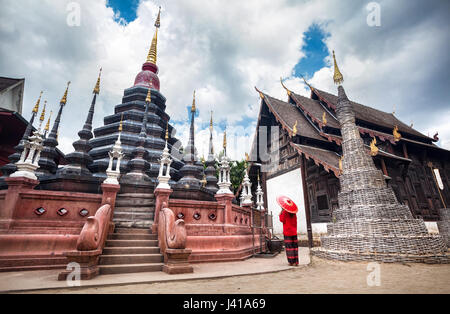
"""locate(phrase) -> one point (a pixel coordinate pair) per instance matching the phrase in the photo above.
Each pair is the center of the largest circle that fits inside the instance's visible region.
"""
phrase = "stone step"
(130, 250)
(132, 236)
(130, 223)
(131, 243)
(135, 202)
(135, 195)
(130, 268)
(133, 230)
(133, 215)
(131, 259)
(143, 209)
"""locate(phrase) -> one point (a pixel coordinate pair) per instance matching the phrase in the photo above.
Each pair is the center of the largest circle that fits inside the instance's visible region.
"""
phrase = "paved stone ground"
(321, 276)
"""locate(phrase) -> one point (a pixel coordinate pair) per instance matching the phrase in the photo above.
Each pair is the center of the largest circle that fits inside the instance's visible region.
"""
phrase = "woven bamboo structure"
(370, 224)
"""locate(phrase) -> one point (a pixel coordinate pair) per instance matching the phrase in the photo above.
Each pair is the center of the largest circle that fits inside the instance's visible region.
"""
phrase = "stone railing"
(90, 244)
(172, 242)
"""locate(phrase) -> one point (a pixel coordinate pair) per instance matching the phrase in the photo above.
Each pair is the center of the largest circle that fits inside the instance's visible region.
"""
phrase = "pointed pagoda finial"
(225, 140)
(193, 108)
(42, 118)
(338, 78)
(152, 54)
(121, 124)
(36, 107)
(258, 176)
(47, 126)
(287, 90)
(97, 85)
(167, 131)
(64, 99)
(211, 122)
(149, 96)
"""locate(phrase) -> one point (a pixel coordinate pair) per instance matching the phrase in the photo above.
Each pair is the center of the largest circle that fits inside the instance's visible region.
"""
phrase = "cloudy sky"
(222, 49)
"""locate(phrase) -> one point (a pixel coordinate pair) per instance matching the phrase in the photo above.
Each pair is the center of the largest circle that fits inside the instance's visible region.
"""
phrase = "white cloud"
(224, 49)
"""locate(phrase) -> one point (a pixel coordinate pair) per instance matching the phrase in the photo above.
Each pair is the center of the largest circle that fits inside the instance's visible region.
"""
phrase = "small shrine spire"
(153, 52)
(167, 132)
(64, 98)
(47, 126)
(193, 108)
(42, 118)
(36, 107)
(225, 141)
(97, 85)
(338, 78)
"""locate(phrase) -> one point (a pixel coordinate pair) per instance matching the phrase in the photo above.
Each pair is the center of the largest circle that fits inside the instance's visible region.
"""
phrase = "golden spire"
(225, 139)
(97, 86)
(294, 129)
(338, 78)
(324, 119)
(211, 122)
(43, 112)
(121, 124)
(36, 108)
(167, 131)
(373, 147)
(64, 99)
(149, 96)
(152, 54)
(287, 90)
(47, 126)
(397, 135)
(193, 108)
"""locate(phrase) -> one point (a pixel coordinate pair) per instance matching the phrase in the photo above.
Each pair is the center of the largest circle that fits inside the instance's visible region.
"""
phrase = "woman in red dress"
(289, 219)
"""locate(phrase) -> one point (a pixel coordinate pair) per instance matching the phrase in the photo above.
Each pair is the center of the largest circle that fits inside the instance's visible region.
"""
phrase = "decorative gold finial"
(97, 86)
(340, 164)
(211, 122)
(43, 112)
(64, 99)
(36, 107)
(307, 84)
(193, 108)
(121, 124)
(152, 53)
(47, 126)
(338, 78)
(294, 129)
(324, 119)
(247, 157)
(225, 139)
(149, 96)
(397, 135)
(261, 95)
(258, 176)
(167, 131)
(373, 147)
(287, 90)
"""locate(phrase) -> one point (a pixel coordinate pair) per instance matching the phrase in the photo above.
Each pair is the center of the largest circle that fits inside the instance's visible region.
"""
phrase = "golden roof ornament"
(373, 147)
(261, 95)
(338, 78)
(167, 131)
(340, 164)
(121, 124)
(149, 96)
(324, 119)
(397, 135)
(47, 126)
(294, 129)
(36, 107)
(152, 53)
(97, 85)
(193, 108)
(287, 90)
(307, 84)
(64, 99)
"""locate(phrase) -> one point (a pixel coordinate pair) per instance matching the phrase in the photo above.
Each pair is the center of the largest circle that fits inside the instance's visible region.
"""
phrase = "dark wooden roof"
(6, 82)
(288, 114)
(373, 116)
(328, 159)
(314, 109)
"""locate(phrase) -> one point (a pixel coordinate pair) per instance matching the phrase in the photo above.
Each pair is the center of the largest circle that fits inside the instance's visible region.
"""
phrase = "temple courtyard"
(253, 276)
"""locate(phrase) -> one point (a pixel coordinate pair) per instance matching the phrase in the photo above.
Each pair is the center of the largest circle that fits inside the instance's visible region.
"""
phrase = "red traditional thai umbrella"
(287, 204)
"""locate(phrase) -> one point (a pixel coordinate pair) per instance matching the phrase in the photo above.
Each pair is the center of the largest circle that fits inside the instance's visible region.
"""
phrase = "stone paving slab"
(47, 279)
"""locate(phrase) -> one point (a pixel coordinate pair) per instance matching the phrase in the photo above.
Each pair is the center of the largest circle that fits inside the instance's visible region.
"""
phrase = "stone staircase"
(131, 250)
(134, 210)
